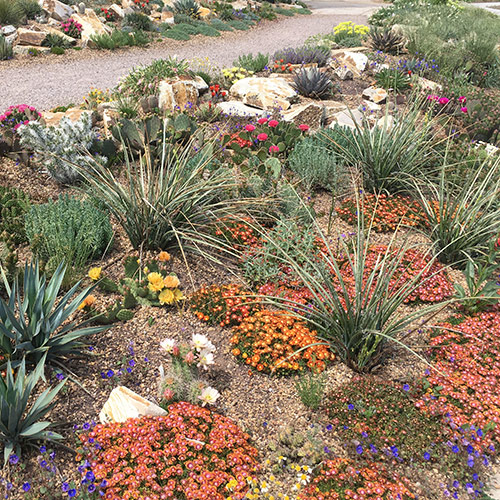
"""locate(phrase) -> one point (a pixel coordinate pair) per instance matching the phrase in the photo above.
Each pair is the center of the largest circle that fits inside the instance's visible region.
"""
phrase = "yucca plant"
(388, 157)
(19, 415)
(462, 218)
(167, 200)
(311, 82)
(393, 79)
(386, 40)
(190, 8)
(359, 316)
(34, 327)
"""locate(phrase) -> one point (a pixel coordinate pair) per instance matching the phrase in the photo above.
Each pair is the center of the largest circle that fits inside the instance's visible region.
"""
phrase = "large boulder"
(55, 31)
(91, 25)
(57, 10)
(356, 62)
(264, 93)
(376, 95)
(34, 38)
(310, 113)
(180, 92)
(117, 10)
(74, 114)
(348, 118)
(25, 50)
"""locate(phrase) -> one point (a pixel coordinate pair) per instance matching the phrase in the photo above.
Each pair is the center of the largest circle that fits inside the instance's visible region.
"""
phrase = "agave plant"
(34, 327)
(18, 424)
(190, 8)
(311, 82)
(386, 40)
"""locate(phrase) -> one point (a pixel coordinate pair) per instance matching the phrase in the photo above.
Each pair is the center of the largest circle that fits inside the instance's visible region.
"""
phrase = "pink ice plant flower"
(249, 127)
(262, 137)
(273, 123)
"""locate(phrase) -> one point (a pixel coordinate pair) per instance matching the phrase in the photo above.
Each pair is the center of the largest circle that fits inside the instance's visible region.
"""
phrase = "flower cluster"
(238, 232)
(280, 66)
(384, 213)
(463, 386)
(109, 15)
(348, 28)
(96, 97)
(72, 28)
(447, 103)
(143, 4)
(15, 116)
(217, 93)
(232, 75)
(382, 420)
(340, 478)
(166, 288)
(225, 305)
(270, 341)
(190, 453)
(182, 380)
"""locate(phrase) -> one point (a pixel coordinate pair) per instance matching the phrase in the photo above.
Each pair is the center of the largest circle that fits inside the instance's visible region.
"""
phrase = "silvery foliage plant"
(63, 147)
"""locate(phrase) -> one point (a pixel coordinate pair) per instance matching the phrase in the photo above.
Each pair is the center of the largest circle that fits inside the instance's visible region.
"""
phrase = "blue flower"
(43, 449)
(406, 387)
(427, 456)
(326, 449)
(91, 488)
(86, 426)
(364, 434)
(26, 486)
(350, 406)
(475, 477)
(110, 373)
(359, 449)
(479, 432)
(329, 427)
(455, 448)
(13, 459)
(373, 449)
(72, 493)
(65, 487)
(89, 476)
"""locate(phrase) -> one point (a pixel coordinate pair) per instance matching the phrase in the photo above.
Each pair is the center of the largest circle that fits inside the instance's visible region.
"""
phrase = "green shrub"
(392, 78)
(68, 229)
(176, 34)
(59, 51)
(462, 218)
(207, 30)
(220, 25)
(10, 12)
(6, 51)
(284, 12)
(138, 21)
(310, 389)
(119, 39)
(33, 327)
(14, 204)
(30, 8)
(18, 424)
(238, 25)
(316, 165)
(253, 63)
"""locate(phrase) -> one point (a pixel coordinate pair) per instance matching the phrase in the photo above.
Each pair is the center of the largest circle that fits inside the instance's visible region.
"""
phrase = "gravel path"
(49, 81)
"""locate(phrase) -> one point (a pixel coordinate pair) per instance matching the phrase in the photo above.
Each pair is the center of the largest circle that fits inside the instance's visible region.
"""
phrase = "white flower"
(167, 345)
(303, 478)
(209, 395)
(200, 341)
(206, 358)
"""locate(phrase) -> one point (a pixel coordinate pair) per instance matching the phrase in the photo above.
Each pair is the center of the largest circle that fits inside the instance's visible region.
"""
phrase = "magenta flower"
(462, 99)
(433, 97)
(250, 128)
(303, 127)
(261, 121)
(274, 149)
(273, 123)
(443, 101)
(262, 137)
(463, 109)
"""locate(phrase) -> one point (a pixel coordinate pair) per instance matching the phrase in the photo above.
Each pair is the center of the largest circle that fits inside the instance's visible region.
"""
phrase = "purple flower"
(43, 449)
(359, 449)
(350, 407)
(72, 493)
(455, 449)
(13, 459)
(427, 456)
(329, 427)
(26, 486)
(406, 387)
(65, 487)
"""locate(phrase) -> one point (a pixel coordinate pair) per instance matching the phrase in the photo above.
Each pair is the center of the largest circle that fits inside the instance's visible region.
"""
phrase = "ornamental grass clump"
(190, 453)
(279, 343)
(462, 218)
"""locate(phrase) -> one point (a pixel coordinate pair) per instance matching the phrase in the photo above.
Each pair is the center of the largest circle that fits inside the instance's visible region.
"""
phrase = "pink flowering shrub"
(72, 28)
(17, 115)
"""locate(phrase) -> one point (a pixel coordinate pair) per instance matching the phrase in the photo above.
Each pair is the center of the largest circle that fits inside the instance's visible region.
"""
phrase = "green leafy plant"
(220, 25)
(311, 82)
(310, 389)
(68, 229)
(392, 78)
(119, 39)
(386, 40)
(30, 8)
(303, 55)
(20, 416)
(250, 62)
(32, 326)
(59, 51)
(138, 21)
(6, 51)
(53, 40)
(462, 219)
(14, 204)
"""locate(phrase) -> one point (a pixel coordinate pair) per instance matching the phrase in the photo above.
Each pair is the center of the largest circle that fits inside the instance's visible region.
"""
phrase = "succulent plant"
(386, 40)
(14, 204)
(311, 82)
(189, 7)
(303, 55)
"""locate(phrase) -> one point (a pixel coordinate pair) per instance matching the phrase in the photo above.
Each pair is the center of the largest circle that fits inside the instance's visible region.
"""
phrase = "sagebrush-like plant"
(10, 12)
(303, 55)
(33, 326)
(254, 63)
(20, 415)
(61, 148)
(68, 229)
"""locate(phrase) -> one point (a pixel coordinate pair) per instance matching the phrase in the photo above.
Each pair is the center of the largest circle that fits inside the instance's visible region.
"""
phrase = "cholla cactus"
(62, 147)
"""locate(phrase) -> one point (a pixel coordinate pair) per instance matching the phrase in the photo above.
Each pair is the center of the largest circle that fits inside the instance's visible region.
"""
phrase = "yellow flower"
(163, 256)
(87, 302)
(155, 282)
(166, 297)
(95, 273)
(171, 281)
(178, 295)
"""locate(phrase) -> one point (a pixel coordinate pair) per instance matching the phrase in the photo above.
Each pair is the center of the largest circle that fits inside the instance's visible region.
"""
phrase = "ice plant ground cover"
(262, 307)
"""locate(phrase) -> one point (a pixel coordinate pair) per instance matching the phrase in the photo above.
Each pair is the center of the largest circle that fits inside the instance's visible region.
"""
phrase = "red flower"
(273, 123)
(274, 149)
(304, 127)
(261, 121)
(262, 137)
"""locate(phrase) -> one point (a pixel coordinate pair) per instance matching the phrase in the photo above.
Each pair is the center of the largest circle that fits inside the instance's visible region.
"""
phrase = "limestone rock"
(24, 50)
(90, 25)
(354, 61)
(376, 95)
(30, 37)
(177, 92)
(310, 114)
(200, 84)
(344, 73)
(55, 31)
(8, 30)
(167, 16)
(239, 5)
(369, 106)
(237, 108)
(123, 404)
(53, 119)
(117, 10)
(57, 10)
(348, 118)
(81, 8)
(110, 117)
(264, 93)
(331, 108)
(386, 122)
(429, 84)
